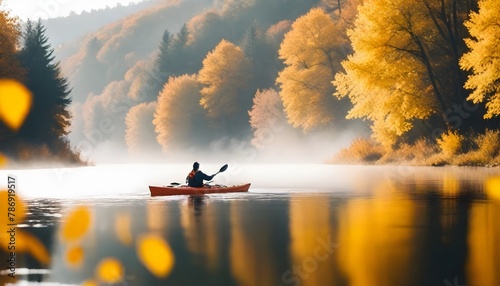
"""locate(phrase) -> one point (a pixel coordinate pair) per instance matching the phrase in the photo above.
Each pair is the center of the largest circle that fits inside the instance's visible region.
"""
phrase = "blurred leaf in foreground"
(15, 103)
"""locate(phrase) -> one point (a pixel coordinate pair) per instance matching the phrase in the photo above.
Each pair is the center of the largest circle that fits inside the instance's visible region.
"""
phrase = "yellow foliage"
(410, 154)
(19, 209)
(488, 146)
(77, 224)
(155, 253)
(110, 270)
(225, 71)
(74, 256)
(178, 106)
(140, 131)
(361, 151)
(384, 80)
(15, 103)
(311, 51)
(3, 160)
(484, 56)
(266, 116)
(10, 33)
(450, 143)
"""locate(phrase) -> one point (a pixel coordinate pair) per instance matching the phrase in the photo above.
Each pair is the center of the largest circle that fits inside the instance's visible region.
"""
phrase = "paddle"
(222, 169)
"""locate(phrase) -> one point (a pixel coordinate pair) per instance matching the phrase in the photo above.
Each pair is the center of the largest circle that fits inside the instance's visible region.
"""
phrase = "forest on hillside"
(66, 30)
(414, 82)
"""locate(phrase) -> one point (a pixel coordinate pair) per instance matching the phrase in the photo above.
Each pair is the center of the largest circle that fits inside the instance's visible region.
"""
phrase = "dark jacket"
(195, 179)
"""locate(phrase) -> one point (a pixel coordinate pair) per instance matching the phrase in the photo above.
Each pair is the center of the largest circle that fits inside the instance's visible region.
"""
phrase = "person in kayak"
(195, 177)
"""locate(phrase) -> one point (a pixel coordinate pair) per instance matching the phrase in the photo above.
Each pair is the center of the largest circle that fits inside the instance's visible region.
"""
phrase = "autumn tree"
(484, 56)
(225, 74)
(9, 64)
(49, 119)
(9, 40)
(267, 117)
(179, 119)
(140, 134)
(404, 68)
(312, 51)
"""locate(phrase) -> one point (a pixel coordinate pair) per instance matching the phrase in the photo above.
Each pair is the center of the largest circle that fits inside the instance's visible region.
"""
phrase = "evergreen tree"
(49, 117)
(181, 54)
(92, 71)
(164, 59)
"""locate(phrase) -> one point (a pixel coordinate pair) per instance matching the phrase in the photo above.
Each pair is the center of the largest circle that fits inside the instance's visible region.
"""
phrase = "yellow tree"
(405, 64)
(484, 56)
(312, 51)
(225, 74)
(9, 40)
(178, 115)
(140, 132)
(9, 64)
(266, 117)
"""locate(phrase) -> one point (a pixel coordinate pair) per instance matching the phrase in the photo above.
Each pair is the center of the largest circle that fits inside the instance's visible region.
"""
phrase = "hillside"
(64, 30)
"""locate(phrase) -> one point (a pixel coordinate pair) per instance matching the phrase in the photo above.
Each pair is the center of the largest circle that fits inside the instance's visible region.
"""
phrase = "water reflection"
(483, 240)
(200, 221)
(418, 227)
(258, 241)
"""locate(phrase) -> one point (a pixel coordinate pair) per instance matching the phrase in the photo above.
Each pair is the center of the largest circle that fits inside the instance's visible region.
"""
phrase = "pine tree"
(181, 58)
(163, 61)
(49, 117)
(92, 71)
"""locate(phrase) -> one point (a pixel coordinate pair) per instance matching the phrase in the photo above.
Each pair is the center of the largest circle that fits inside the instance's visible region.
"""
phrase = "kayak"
(185, 190)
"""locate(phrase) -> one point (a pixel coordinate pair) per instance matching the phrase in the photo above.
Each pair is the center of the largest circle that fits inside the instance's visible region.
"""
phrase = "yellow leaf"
(492, 188)
(155, 253)
(74, 256)
(110, 270)
(13, 208)
(3, 160)
(77, 224)
(26, 242)
(15, 103)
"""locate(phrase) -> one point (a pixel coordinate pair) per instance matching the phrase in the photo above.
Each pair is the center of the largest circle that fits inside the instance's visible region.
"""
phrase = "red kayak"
(185, 190)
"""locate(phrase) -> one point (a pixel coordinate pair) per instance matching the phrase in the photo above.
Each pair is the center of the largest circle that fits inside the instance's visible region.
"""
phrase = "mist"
(132, 103)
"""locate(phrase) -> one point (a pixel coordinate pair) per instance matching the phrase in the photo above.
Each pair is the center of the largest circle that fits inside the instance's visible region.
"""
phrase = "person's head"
(196, 166)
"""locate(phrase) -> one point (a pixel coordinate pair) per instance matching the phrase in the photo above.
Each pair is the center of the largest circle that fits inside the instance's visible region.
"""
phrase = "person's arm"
(206, 177)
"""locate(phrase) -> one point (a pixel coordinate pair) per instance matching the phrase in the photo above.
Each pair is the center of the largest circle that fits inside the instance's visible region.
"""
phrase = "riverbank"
(24, 155)
(449, 149)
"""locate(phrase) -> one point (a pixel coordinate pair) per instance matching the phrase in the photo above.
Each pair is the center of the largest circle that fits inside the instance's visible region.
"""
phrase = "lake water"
(298, 225)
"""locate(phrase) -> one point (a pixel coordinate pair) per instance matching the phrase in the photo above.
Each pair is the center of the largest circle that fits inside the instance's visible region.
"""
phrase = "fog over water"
(133, 179)
(299, 224)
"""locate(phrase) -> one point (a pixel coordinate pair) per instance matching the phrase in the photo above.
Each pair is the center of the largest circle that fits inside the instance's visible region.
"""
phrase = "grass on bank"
(24, 154)
(450, 149)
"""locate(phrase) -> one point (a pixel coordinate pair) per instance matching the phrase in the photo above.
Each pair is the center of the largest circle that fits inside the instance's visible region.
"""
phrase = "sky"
(34, 9)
